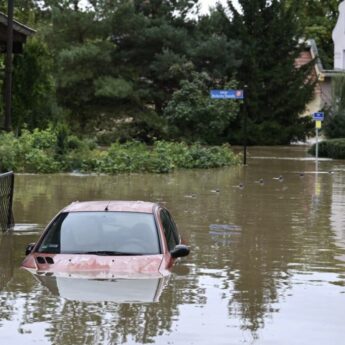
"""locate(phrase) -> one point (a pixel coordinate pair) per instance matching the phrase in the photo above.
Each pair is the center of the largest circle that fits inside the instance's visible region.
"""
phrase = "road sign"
(320, 116)
(227, 94)
(318, 124)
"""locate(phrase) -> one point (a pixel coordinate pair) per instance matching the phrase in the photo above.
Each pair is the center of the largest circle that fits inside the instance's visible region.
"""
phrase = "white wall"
(339, 39)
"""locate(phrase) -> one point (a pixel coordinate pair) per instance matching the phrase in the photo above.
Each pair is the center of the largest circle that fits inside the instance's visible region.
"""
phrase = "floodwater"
(267, 262)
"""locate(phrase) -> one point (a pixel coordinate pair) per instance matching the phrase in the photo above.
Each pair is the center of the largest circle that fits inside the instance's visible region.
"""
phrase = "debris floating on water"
(215, 190)
(279, 178)
(240, 186)
(190, 196)
(219, 229)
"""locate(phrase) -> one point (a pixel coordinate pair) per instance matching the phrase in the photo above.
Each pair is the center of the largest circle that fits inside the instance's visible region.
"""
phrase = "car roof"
(111, 205)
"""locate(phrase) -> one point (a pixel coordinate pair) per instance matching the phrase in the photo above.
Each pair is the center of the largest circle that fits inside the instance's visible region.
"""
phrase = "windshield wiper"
(110, 253)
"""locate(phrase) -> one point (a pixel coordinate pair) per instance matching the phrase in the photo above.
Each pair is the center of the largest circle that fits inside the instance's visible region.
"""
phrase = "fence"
(6, 200)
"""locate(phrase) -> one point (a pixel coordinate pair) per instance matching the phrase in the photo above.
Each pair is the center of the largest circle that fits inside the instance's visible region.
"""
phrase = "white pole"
(317, 145)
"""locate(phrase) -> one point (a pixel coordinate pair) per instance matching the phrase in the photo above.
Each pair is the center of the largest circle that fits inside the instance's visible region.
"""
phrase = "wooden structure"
(20, 34)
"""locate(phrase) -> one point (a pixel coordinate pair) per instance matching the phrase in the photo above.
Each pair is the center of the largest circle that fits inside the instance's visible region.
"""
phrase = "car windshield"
(102, 233)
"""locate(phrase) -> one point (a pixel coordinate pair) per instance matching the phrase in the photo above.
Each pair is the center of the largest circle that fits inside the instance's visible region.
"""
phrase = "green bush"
(335, 126)
(333, 148)
(8, 152)
(50, 151)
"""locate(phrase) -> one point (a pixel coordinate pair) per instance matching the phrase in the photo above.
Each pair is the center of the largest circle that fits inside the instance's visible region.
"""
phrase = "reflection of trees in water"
(277, 231)
(272, 231)
(6, 259)
(256, 288)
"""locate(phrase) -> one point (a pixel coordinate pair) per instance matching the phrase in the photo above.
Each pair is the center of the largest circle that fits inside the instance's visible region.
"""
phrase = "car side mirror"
(179, 251)
(29, 248)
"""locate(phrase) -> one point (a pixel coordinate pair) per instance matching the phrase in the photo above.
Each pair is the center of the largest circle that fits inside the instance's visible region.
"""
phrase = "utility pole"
(245, 120)
(8, 66)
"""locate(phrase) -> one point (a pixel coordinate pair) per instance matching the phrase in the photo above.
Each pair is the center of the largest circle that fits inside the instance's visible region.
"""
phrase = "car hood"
(97, 266)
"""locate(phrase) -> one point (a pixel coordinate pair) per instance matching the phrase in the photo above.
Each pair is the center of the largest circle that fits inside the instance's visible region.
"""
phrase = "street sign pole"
(244, 126)
(318, 118)
(317, 145)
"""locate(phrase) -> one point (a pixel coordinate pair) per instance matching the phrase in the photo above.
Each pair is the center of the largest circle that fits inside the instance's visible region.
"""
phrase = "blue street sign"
(227, 94)
(320, 116)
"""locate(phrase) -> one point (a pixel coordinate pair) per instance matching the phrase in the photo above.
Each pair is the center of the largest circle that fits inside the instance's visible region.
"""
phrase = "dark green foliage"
(318, 19)
(333, 148)
(335, 125)
(194, 116)
(277, 91)
(335, 119)
(62, 140)
(33, 87)
(121, 62)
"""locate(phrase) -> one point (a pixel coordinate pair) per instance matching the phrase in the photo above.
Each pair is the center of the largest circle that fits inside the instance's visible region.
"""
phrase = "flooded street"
(267, 262)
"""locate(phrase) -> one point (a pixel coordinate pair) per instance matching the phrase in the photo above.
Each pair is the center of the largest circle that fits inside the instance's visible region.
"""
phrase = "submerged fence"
(6, 200)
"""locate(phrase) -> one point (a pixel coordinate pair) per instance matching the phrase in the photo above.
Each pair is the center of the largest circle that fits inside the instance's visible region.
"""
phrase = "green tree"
(213, 51)
(164, 50)
(335, 119)
(116, 59)
(277, 90)
(196, 117)
(33, 87)
(318, 19)
(82, 52)
(25, 11)
(153, 43)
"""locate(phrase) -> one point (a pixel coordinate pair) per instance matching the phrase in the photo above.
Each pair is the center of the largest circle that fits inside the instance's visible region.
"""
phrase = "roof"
(111, 205)
(17, 26)
(321, 72)
(20, 34)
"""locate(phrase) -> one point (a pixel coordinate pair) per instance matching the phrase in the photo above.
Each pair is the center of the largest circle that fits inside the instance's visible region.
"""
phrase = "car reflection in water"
(81, 288)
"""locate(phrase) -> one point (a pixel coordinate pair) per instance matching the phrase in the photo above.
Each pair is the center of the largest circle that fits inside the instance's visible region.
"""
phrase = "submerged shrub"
(333, 148)
(49, 151)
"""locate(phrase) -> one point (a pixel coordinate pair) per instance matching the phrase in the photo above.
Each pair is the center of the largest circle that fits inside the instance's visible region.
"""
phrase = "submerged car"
(108, 239)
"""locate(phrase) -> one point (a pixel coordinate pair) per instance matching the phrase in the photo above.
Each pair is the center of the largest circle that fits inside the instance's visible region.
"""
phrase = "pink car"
(101, 239)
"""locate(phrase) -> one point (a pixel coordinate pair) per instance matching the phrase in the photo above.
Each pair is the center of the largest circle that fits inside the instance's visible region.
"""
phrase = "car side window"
(169, 229)
(173, 228)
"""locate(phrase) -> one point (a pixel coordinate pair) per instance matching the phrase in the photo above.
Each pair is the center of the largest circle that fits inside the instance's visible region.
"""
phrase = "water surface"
(267, 264)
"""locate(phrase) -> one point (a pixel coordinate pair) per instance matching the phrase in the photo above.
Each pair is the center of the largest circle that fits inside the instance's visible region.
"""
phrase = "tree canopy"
(137, 69)
(277, 91)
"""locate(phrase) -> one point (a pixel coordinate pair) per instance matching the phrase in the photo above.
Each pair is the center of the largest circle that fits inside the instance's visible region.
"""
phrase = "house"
(338, 36)
(323, 90)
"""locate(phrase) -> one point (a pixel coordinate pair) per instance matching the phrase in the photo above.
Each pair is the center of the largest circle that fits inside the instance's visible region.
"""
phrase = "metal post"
(10, 219)
(244, 125)
(8, 66)
(317, 145)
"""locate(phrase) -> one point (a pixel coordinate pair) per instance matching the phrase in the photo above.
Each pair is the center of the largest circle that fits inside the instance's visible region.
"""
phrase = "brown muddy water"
(267, 262)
